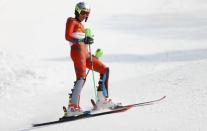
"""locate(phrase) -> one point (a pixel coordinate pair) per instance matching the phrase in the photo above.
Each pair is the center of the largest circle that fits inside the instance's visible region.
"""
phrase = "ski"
(90, 114)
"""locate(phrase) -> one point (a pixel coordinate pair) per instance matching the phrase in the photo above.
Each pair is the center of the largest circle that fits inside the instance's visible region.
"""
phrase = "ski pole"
(98, 55)
(88, 33)
(93, 77)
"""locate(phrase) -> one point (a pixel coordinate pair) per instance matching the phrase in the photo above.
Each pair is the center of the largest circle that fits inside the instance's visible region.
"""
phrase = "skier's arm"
(70, 35)
(69, 30)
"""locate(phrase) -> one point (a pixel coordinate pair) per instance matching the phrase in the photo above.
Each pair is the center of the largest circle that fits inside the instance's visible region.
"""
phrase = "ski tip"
(161, 98)
(164, 97)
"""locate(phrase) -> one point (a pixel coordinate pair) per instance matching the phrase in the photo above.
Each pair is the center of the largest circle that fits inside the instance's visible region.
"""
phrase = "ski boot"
(104, 103)
(74, 99)
(72, 110)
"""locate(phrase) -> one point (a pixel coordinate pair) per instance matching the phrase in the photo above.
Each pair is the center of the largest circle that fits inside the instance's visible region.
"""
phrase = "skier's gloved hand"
(88, 40)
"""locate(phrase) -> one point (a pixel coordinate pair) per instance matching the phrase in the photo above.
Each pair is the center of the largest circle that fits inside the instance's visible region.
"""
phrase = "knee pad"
(103, 83)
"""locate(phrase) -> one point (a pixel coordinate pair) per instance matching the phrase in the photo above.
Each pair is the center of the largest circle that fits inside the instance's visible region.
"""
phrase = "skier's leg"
(103, 83)
(98, 66)
(74, 97)
(79, 60)
(78, 55)
(102, 90)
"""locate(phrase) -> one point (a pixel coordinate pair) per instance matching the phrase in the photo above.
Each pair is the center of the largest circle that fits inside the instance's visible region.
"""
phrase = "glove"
(88, 40)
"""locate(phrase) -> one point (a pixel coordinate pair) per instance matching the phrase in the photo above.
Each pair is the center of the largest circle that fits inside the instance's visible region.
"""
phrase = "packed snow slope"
(153, 48)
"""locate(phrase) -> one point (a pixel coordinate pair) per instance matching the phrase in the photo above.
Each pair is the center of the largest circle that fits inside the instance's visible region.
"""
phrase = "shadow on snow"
(173, 56)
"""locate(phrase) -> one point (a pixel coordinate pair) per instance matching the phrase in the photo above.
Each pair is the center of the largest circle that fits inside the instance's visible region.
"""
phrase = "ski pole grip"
(88, 32)
(99, 53)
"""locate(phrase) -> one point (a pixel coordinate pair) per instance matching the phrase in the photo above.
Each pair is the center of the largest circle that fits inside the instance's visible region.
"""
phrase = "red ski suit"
(79, 53)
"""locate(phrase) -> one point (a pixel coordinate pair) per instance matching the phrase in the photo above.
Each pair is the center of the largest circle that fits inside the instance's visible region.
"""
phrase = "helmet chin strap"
(86, 19)
(77, 18)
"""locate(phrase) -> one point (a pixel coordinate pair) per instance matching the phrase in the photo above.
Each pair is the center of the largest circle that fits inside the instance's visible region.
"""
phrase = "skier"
(75, 34)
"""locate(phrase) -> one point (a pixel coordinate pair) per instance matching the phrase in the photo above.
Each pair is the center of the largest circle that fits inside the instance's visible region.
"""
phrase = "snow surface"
(153, 48)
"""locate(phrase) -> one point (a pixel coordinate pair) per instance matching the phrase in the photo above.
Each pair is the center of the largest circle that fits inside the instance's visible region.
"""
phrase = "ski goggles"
(83, 12)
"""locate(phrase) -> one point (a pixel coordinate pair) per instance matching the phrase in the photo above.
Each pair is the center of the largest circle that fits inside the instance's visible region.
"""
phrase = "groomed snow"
(153, 48)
